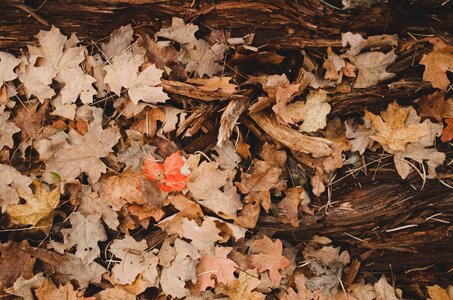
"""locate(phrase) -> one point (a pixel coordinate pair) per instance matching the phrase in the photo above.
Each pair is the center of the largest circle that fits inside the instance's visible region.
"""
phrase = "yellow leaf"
(39, 205)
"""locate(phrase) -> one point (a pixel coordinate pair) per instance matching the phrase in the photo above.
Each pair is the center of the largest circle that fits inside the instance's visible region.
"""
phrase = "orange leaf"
(168, 174)
(447, 133)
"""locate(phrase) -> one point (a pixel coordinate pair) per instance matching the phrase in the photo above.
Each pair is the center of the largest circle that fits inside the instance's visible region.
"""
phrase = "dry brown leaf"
(438, 293)
(202, 58)
(115, 293)
(179, 32)
(372, 68)
(384, 291)
(333, 65)
(268, 256)
(391, 131)
(289, 207)
(72, 268)
(202, 237)
(15, 263)
(182, 269)
(8, 63)
(120, 39)
(437, 63)
(85, 233)
(315, 112)
(73, 154)
(10, 181)
(135, 260)
(215, 268)
(24, 287)
(48, 291)
(243, 287)
(435, 106)
(7, 129)
(215, 83)
(38, 207)
(29, 118)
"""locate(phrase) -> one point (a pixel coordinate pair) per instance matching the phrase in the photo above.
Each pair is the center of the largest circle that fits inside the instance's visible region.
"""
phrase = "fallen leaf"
(120, 39)
(48, 291)
(215, 268)
(372, 68)
(24, 287)
(316, 110)
(7, 129)
(38, 206)
(15, 263)
(289, 206)
(437, 63)
(359, 136)
(182, 269)
(172, 175)
(215, 83)
(202, 58)
(179, 31)
(268, 256)
(72, 268)
(437, 293)
(10, 181)
(202, 237)
(384, 291)
(115, 293)
(135, 260)
(436, 106)
(447, 132)
(85, 233)
(8, 63)
(333, 65)
(73, 154)
(92, 204)
(242, 287)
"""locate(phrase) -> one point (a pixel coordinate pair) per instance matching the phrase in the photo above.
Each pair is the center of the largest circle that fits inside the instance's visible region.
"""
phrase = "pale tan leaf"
(10, 181)
(179, 32)
(7, 129)
(120, 39)
(7, 64)
(372, 68)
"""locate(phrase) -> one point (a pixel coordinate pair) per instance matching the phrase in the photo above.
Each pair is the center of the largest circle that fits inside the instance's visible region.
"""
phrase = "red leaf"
(167, 174)
(447, 132)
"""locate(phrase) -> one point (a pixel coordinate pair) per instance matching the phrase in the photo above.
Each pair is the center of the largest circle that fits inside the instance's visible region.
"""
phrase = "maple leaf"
(179, 31)
(7, 129)
(269, 257)
(182, 269)
(447, 132)
(202, 237)
(81, 153)
(372, 68)
(135, 260)
(10, 180)
(85, 233)
(203, 58)
(218, 265)
(123, 71)
(73, 268)
(205, 184)
(120, 39)
(7, 64)
(171, 175)
(437, 63)
(56, 58)
(39, 205)
(391, 131)
(243, 287)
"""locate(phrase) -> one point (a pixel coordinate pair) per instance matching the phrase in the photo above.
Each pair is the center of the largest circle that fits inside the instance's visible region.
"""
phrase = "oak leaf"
(437, 63)
(215, 268)
(24, 287)
(39, 206)
(135, 260)
(85, 233)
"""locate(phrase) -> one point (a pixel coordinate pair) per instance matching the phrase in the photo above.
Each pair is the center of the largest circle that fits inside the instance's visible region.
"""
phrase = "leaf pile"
(107, 152)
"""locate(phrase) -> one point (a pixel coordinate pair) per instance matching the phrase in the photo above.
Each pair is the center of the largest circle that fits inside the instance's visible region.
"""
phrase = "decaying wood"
(291, 138)
(190, 91)
(230, 115)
